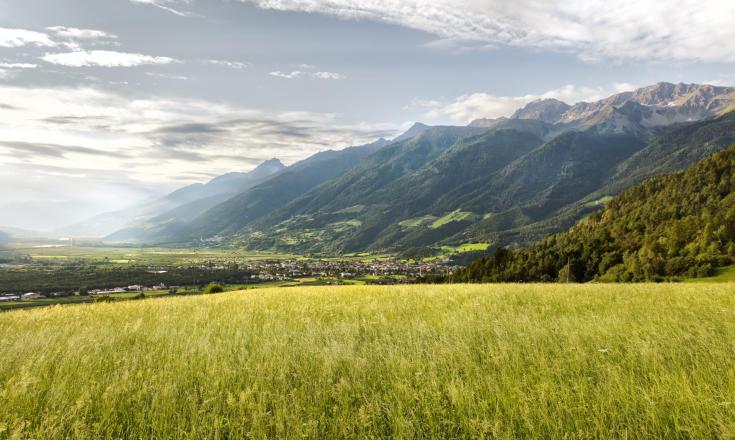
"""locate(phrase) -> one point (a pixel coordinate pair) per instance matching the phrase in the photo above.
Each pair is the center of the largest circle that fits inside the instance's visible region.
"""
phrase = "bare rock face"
(656, 105)
(547, 110)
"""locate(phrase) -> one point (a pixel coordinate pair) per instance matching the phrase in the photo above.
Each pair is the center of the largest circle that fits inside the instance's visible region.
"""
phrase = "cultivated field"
(500, 361)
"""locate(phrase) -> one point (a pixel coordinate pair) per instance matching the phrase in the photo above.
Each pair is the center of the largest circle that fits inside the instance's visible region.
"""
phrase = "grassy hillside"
(480, 361)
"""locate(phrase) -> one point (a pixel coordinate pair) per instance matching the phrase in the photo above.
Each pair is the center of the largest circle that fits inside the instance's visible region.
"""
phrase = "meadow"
(449, 361)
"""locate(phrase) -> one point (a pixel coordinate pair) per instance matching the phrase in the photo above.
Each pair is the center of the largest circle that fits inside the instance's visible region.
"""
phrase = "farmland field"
(133, 255)
(451, 361)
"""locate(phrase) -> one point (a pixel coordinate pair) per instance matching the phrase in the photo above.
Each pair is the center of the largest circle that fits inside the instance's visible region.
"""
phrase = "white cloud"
(314, 75)
(466, 108)
(287, 75)
(80, 34)
(103, 58)
(328, 75)
(592, 29)
(155, 139)
(18, 65)
(725, 80)
(24, 37)
(231, 64)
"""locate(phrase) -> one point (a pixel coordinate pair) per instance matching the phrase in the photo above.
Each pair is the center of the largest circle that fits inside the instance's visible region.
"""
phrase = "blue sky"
(106, 102)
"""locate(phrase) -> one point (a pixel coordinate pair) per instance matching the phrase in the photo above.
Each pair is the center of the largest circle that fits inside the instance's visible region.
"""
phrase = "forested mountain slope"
(675, 225)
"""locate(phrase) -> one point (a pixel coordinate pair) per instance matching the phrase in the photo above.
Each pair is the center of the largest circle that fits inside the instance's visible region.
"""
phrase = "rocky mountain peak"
(655, 105)
(547, 110)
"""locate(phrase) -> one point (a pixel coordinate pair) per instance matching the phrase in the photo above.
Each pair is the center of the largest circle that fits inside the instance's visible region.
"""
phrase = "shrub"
(214, 288)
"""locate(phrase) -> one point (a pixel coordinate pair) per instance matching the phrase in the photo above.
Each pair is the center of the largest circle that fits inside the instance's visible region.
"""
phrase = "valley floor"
(458, 361)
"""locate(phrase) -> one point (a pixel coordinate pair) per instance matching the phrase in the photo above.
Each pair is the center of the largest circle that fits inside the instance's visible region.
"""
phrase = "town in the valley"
(283, 273)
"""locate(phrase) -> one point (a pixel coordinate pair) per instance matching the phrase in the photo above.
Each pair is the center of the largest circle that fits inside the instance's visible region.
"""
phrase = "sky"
(106, 103)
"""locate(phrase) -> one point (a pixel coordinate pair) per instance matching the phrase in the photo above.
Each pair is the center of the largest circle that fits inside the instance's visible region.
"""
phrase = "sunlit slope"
(505, 361)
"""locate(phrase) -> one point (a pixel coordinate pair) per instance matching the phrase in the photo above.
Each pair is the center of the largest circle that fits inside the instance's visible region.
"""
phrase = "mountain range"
(505, 181)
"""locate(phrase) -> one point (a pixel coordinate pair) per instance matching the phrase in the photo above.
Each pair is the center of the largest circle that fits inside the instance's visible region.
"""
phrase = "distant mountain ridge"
(230, 213)
(501, 181)
(230, 183)
(653, 106)
(193, 198)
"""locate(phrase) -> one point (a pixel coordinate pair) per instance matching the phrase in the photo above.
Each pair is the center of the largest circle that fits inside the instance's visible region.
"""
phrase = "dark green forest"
(71, 278)
(679, 225)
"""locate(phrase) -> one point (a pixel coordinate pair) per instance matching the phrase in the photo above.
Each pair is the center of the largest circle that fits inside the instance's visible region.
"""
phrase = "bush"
(214, 288)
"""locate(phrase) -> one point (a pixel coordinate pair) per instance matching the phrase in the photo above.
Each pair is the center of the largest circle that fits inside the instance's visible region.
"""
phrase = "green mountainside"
(676, 225)
(673, 148)
(497, 182)
(513, 183)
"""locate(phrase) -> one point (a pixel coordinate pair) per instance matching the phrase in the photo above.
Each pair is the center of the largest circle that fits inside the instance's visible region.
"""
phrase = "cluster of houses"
(29, 296)
(22, 297)
(280, 270)
(133, 288)
(283, 270)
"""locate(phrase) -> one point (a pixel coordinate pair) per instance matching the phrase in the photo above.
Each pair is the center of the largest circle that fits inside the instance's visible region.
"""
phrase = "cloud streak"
(27, 149)
(313, 75)
(164, 5)
(80, 34)
(230, 64)
(104, 58)
(594, 30)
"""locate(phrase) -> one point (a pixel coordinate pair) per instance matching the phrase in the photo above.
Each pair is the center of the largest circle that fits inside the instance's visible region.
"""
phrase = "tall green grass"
(480, 361)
